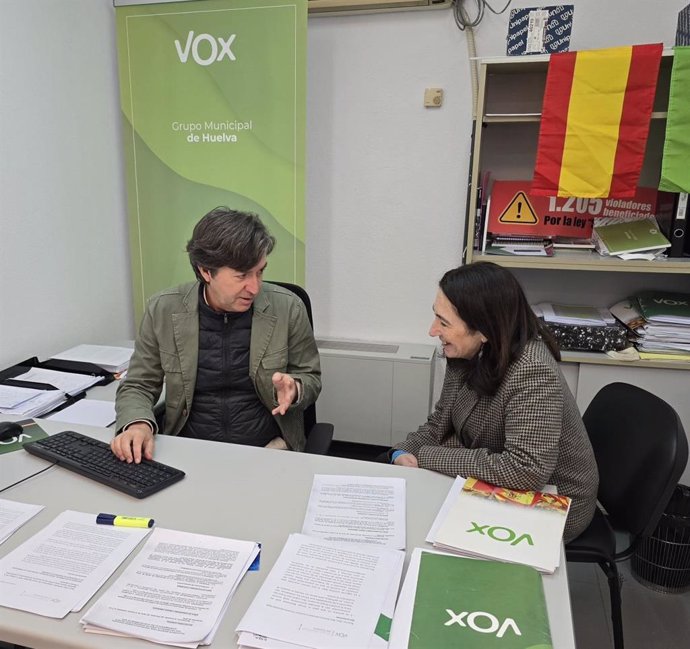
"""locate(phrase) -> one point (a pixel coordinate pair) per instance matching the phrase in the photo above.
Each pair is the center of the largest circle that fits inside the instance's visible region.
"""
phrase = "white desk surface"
(232, 491)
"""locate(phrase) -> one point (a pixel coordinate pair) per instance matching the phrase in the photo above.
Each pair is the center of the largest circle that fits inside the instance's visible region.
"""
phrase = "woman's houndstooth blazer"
(529, 434)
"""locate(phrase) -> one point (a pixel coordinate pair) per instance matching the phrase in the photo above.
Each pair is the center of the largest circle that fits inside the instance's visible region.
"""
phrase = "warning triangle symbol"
(519, 210)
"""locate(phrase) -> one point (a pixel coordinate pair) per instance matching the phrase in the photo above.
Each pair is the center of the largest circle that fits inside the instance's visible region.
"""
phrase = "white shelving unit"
(506, 132)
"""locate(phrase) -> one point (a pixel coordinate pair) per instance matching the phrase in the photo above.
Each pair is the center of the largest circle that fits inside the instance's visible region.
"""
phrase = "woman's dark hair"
(226, 237)
(489, 299)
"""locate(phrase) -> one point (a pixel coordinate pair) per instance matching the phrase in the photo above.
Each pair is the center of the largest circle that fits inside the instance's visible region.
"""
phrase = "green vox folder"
(475, 604)
(631, 236)
(665, 306)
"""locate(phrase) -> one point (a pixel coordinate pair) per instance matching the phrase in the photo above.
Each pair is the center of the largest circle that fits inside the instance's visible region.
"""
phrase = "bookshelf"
(506, 132)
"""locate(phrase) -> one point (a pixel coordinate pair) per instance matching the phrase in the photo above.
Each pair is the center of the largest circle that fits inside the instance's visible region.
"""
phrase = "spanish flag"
(595, 121)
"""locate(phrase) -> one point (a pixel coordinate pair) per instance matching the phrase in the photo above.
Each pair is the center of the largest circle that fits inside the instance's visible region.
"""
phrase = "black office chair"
(641, 451)
(319, 435)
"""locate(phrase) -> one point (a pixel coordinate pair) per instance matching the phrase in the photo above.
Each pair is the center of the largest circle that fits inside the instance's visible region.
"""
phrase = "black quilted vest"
(226, 407)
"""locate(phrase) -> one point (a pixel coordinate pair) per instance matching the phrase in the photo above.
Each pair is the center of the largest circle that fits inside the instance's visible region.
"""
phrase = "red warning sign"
(512, 210)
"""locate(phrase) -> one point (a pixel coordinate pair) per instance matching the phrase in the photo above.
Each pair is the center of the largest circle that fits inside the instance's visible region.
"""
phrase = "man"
(238, 357)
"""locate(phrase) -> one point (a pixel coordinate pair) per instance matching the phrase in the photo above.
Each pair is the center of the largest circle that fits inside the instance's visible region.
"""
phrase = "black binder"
(680, 240)
(7, 376)
(74, 367)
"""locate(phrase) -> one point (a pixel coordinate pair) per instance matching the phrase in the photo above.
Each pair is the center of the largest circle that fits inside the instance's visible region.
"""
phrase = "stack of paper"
(505, 524)
(111, 359)
(337, 590)
(175, 591)
(69, 382)
(324, 595)
(586, 316)
(660, 322)
(27, 402)
(449, 601)
(59, 569)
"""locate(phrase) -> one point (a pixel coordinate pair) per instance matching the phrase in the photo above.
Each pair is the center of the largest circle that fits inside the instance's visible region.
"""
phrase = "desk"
(233, 491)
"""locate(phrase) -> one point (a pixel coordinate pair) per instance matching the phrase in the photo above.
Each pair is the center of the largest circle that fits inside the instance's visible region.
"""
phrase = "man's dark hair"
(226, 237)
(489, 299)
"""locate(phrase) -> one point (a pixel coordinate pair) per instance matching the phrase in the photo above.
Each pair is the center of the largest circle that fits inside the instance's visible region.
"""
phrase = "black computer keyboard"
(94, 459)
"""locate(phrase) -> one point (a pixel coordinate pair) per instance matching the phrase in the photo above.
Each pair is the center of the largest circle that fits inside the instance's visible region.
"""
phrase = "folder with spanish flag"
(595, 121)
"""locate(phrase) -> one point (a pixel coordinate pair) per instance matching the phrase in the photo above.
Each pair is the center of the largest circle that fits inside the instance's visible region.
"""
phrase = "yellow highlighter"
(124, 521)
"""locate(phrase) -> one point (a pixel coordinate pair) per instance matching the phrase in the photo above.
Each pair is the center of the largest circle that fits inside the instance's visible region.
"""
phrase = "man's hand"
(134, 443)
(406, 459)
(286, 392)
(277, 443)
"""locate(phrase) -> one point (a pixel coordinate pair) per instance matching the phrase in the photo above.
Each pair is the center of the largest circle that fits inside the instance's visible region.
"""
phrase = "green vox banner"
(213, 96)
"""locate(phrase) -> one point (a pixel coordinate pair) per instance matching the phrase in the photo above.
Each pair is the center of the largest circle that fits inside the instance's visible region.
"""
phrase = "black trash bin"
(662, 562)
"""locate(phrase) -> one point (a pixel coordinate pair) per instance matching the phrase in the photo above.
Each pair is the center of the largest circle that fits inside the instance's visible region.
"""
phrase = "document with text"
(358, 509)
(176, 589)
(324, 594)
(68, 382)
(13, 515)
(378, 640)
(59, 569)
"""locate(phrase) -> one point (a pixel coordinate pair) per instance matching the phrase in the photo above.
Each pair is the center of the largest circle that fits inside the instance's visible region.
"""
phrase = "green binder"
(665, 306)
(475, 604)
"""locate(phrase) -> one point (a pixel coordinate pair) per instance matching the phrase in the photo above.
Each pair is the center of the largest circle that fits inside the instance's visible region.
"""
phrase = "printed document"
(358, 509)
(13, 515)
(323, 594)
(176, 589)
(68, 382)
(379, 639)
(59, 569)
(26, 402)
(92, 412)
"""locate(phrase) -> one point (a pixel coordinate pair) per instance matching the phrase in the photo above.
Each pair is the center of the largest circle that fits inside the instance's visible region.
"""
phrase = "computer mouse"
(9, 429)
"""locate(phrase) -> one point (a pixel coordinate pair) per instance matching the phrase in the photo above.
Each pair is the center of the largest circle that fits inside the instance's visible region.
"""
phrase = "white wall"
(386, 177)
(64, 264)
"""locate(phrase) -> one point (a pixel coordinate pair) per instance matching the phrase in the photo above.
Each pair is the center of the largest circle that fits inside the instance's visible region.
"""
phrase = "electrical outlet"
(433, 97)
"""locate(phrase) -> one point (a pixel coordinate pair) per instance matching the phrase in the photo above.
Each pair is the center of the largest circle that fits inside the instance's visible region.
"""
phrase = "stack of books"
(659, 323)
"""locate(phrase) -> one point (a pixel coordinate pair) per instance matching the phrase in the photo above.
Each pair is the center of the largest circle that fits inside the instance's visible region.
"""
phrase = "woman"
(506, 414)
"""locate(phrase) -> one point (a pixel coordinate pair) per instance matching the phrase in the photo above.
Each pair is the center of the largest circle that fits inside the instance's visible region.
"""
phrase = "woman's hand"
(406, 459)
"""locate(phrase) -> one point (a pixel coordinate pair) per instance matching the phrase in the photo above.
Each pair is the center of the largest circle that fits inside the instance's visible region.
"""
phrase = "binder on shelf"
(679, 239)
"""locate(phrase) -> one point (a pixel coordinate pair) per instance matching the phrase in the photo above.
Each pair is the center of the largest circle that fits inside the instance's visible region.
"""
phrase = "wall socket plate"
(433, 97)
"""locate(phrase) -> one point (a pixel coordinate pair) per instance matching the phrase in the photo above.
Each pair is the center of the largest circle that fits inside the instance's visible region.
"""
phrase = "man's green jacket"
(167, 349)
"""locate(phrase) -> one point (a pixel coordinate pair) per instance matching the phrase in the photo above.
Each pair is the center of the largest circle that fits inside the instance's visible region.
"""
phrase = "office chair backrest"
(641, 451)
(310, 413)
